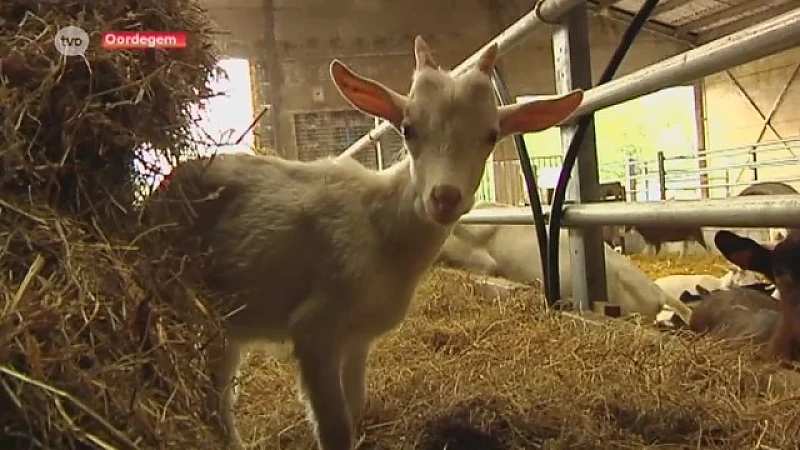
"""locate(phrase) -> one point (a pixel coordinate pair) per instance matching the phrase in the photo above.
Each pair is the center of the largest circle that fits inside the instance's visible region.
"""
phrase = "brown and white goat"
(327, 254)
(752, 315)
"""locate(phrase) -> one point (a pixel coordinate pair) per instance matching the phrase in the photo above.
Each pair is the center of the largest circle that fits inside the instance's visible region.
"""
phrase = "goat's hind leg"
(224, 375)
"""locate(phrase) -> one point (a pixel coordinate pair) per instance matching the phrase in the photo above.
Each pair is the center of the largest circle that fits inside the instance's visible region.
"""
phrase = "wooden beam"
(668, 6)
(275, 78)
(738, 25)
(653, 26)
(700, 135)
(715, 17)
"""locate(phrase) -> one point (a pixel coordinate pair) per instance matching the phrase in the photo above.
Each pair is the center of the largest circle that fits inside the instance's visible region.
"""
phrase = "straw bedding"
(464, 372)
(103, 331)
(99, 325)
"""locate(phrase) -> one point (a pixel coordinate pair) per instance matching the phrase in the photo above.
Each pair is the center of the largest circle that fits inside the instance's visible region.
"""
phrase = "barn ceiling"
(698, 21)
(693, 21)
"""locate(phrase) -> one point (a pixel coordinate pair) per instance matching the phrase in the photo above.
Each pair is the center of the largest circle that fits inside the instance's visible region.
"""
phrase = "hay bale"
(98, 342)
(70, 127)
(101, 328)
(466, 372)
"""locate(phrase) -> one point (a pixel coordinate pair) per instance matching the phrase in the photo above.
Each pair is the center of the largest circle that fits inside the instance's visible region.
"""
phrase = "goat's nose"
(446, 198)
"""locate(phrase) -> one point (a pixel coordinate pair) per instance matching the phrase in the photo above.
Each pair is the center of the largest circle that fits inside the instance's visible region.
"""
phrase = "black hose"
(552, 287)
(527, 172)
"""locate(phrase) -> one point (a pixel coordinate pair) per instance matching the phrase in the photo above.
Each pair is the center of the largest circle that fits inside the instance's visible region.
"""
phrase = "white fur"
(777, 234)
(512, 251)
(674, 285)
(737, 277)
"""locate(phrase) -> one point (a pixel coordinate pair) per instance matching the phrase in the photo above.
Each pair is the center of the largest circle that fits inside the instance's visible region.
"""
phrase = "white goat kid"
(675, 285)
(327, 254)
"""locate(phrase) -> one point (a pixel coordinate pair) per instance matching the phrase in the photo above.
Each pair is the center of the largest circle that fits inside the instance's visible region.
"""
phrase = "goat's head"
(449, 125)
(781, 264)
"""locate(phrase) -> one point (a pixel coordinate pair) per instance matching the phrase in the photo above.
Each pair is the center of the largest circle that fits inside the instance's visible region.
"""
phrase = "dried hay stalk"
(98, 343)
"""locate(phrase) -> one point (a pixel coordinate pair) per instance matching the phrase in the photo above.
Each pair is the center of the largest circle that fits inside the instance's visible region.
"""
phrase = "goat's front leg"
(225, 372)
(320, 364)
(354, 377)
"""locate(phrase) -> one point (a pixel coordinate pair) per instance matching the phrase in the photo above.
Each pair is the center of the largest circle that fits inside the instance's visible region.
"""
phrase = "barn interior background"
(94, 351)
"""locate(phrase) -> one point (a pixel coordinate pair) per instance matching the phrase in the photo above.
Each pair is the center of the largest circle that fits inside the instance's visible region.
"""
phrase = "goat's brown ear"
(744, 252)
(538, 115)
(423, 54)
(368, 95)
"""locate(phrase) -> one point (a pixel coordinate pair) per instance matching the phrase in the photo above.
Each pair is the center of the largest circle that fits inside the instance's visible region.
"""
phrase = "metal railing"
(684, 177)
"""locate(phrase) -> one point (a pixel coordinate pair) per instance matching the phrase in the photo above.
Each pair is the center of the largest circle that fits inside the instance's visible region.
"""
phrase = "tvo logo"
(71, 41)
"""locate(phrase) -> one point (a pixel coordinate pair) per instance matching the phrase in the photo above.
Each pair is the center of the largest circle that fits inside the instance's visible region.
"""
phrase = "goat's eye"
(492, 137)
(408, 132)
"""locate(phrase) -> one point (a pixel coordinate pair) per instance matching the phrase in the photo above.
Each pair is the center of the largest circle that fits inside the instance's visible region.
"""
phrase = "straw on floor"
(464, 372)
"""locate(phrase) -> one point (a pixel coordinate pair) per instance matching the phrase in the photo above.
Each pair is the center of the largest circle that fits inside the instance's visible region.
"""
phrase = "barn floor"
(466, 373)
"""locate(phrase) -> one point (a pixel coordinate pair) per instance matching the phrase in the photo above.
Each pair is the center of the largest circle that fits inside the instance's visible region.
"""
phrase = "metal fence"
(691, 176)
(712, 174)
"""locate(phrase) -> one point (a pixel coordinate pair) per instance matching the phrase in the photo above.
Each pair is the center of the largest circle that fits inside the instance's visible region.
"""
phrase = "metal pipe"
(728, 185)
(735, 212)
(762, 147)
(764, 39)
(545, 11)
(747, 165)
(775, 142)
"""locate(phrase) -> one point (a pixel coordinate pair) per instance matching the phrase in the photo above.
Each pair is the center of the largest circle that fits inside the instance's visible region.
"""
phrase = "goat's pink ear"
(423, 54)
(744, 252)
(488, 59)
(368, 95)
(538, 115)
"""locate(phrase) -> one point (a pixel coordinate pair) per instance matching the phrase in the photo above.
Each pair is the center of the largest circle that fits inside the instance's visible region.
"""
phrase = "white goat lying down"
(327, 254)
(512, 251)
(675, 285)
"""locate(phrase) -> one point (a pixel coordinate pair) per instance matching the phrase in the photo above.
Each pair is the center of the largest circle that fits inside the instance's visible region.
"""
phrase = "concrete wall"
(732, 121)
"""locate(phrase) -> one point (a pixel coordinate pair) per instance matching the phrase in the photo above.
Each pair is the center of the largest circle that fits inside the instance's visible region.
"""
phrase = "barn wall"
(375, 38)
(731, 121)
(241, 29)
